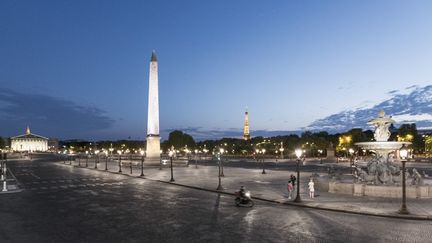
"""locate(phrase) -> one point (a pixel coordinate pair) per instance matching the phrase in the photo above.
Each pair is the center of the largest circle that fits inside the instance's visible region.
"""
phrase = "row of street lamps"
(403, 153)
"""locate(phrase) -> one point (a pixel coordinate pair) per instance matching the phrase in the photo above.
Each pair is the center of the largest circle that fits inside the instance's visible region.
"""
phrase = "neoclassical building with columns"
(29, 142)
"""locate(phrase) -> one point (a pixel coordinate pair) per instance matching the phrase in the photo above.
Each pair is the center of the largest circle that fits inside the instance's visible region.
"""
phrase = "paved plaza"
(64, 203)
(272, 186)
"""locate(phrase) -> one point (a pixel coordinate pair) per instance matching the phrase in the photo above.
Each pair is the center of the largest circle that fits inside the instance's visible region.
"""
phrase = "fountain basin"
(388, 145)
(394, 191)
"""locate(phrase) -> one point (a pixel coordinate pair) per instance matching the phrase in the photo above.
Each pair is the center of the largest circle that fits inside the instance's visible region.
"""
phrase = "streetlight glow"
(298, 153)
(403, 152)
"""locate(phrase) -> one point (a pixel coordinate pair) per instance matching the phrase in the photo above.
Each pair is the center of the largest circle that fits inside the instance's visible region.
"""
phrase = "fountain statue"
(381, 176)
(381, 169)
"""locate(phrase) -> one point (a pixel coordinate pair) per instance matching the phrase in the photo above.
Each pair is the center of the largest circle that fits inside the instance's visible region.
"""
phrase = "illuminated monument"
(29, 142)
(153, 138)
(246, 135)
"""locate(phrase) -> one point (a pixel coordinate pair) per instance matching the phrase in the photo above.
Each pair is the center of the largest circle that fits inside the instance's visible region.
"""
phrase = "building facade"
(29, 142)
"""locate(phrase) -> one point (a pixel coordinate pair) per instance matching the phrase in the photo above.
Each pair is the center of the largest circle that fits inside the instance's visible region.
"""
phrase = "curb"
(383, 215)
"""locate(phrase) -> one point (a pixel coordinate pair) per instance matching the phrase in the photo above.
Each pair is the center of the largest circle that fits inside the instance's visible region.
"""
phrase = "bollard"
(142, 166)
(120, 170)
(4, 178)
(106, 163)
(96, 161)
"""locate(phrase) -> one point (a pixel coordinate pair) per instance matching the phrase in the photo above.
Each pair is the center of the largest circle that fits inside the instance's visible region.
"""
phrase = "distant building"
(246, 134)
(29, 142)
(53, 144)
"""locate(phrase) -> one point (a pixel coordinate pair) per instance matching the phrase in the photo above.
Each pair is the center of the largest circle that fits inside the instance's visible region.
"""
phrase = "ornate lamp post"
(219, 155)
(403, 153)
(142, 163)
(106, 160)
(96, 158)
(281, 150)
(320, 151)
(171, 153)
(351, 152)
(119, 163)
(298, 153)
(86, 164)
(221, 150)
(196, 158)
(262, 160)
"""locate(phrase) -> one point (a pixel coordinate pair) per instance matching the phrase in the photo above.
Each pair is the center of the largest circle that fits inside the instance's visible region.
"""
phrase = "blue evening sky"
(79, 69)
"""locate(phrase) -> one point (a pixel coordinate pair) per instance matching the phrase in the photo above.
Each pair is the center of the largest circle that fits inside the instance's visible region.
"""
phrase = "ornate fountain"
(381, 169)
(382, 175)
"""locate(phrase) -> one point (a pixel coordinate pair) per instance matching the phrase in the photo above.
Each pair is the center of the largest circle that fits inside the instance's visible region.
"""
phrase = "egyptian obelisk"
(153, 138)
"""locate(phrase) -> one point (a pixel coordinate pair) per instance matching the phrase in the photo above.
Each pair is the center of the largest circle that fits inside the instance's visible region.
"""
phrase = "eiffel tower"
(246, 135)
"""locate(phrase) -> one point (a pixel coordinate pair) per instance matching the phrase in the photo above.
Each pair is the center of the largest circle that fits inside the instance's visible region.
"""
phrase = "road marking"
(35, 176)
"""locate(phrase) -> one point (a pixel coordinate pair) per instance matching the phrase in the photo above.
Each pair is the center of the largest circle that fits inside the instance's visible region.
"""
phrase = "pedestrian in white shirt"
(311, 188)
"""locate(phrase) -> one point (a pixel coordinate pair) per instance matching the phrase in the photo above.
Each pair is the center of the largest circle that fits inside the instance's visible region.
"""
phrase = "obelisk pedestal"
(153, 138)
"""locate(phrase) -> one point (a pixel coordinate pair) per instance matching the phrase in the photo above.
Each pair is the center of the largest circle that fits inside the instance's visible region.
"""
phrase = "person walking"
(293, 179)
(290, 189)
(311, 185)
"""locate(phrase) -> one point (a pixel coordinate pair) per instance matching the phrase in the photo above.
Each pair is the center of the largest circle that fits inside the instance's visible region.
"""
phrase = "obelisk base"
(153, 150)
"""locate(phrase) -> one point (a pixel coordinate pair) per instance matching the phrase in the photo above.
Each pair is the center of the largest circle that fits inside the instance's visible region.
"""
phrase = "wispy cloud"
(48, 115)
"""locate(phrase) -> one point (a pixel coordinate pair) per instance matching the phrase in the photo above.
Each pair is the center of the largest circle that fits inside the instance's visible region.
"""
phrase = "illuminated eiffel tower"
(246, 135)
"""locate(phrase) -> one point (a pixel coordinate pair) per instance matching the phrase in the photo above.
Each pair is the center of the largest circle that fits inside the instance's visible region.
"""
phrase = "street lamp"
(281, 150)
(320, 151)
(96, 158)
(120, 165)
(262, 160)
(221, 150)
(403, 153)
(86, 165)
(298, 153)
(196, 158)
(219, 187)
(171, 153)
(142, 162)
(351, 152)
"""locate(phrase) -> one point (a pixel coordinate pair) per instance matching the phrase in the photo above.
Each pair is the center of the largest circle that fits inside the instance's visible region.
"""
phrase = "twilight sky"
(79, 69)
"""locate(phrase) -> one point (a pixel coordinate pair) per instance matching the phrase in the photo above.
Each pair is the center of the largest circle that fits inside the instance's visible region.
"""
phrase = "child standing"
(290, 189)
(311, 185)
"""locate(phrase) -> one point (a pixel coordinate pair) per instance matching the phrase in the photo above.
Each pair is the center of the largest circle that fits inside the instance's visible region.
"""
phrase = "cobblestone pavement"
(69, 204)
